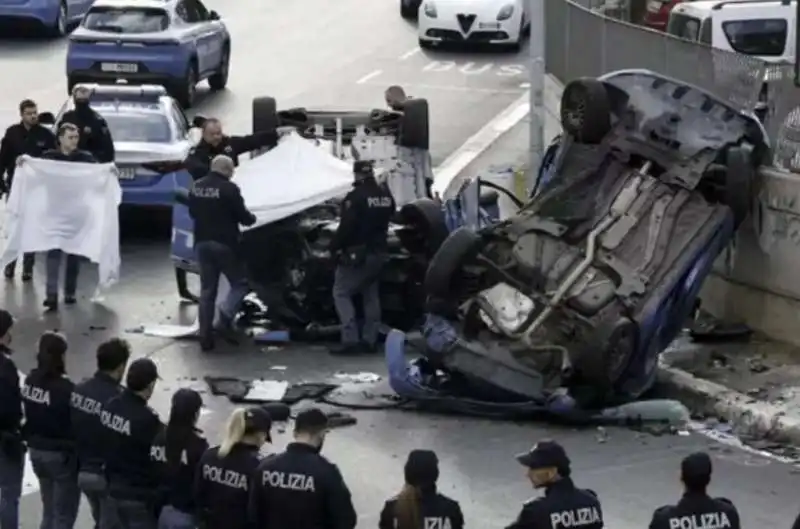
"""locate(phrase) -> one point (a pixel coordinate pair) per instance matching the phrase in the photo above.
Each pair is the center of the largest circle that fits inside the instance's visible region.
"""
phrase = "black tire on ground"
(415, 124)
(425, 44)
(617, 344)
(427, 218)
(408, 11)
(586, 110)
(186, 89)
(739, 183)
(219, 80)
(460, 246)
(265, 115)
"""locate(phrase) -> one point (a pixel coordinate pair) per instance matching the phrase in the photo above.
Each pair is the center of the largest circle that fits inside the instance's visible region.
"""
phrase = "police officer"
(95, 136)
(696, 508)
(217, 207)
(67, 151)
(563, 505)
(46, 396)
(26, 137)
(395, 98)
(131, 427)
(177, 450)
(299, 487)
(88, 400)
(361, 244)
(215, 143)
(419, 498)
(226, 473)
(12, 447)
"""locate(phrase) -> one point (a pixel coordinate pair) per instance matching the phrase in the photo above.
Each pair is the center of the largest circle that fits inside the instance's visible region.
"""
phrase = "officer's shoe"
(226, 330)
(206, 344)
(349, 349)
(69, 299)
(9, 272)
(51, 304)
(26, 276)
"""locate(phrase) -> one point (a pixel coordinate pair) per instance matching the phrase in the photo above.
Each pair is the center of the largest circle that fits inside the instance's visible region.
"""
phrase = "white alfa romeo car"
(496, 22)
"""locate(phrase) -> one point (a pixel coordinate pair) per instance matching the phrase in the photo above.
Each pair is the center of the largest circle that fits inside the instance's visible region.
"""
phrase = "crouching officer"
(215, 143)
(130, 429)
(95, 136)
(88, 400)
(696, 508)
(361, 245)
(26, 137)
(563, 504)
(299, 487)
(217, 207)
(12, 448)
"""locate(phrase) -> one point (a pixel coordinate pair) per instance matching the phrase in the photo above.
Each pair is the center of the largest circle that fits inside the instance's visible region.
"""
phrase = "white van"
(763, 28)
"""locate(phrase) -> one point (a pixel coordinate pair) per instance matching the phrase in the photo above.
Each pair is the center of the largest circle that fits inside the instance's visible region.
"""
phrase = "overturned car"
(568, 303)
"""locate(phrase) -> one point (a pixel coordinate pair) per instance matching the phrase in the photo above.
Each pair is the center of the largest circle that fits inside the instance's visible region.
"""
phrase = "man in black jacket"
(217, 207)
(95, 136)
(215, 143)
(12, 449)
(26, 137)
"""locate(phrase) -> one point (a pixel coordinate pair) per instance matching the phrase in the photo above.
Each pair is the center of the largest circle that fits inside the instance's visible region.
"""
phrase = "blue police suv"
(54, 16)
(172, 43)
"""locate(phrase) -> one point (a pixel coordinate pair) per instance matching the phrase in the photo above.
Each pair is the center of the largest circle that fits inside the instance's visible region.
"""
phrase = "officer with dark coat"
(12, 447)
(47, 396)
(88, 400)
(217, 207)
(215, 143)
(226, 473)
(361, 244)
(696, 508)
(300, 487)
(563, 504)
(131, 426)
(420, 499)
(95, 136)
(26, 137)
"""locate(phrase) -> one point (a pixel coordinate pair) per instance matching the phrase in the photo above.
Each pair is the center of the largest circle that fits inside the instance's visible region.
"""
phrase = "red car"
(657, 13)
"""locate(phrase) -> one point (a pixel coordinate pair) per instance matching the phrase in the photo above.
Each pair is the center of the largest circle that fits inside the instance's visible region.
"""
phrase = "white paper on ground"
(267, 390)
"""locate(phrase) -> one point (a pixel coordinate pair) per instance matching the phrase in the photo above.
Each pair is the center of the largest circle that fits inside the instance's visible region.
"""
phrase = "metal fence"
(587, 38)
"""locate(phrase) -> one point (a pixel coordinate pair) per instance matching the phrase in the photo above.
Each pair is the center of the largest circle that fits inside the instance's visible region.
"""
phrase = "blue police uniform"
(12, 447)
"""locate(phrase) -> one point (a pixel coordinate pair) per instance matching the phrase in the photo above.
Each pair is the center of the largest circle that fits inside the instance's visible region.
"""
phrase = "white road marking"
(369, 76)
(410, 53)
(454, 88)
(525, 85)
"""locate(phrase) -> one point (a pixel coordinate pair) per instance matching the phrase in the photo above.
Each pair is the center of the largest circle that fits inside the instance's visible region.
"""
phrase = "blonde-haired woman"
(225, 472)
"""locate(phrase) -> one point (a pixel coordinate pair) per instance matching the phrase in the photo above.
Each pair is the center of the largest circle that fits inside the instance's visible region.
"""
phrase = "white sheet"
(68, 206)
(290, 178)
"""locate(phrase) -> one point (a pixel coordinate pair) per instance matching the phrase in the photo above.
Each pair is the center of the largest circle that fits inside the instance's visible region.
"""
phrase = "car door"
(208, 45)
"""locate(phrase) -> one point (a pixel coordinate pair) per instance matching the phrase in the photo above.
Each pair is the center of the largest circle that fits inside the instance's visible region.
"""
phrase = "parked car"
(657, 14)
(55, 17)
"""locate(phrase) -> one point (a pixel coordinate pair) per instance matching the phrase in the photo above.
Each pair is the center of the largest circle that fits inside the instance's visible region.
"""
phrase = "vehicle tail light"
(164, 167)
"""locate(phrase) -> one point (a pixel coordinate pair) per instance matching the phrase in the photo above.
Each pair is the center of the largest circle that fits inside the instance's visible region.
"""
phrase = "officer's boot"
(51, 303)
(9, 270)
(27, 267)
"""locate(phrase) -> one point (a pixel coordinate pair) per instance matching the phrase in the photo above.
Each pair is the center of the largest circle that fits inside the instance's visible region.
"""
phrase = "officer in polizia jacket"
(217, 207)
(696, 508)
(226, 473)
(131, 427)
(215, 143)
(26, 137)
(360, 243)
(563, 504)
(46, 396)
(300, 487)
(177, 451)
(95, 136)
(88, 399)
(12, 447)
(419, 499)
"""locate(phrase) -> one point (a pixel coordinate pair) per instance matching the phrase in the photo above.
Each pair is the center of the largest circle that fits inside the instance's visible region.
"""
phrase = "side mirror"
(198, 121)
(47, 118)
(213, 15)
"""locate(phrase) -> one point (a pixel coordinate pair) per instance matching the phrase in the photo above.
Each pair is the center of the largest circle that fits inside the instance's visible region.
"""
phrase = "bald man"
(95, 136)
(215, 142)
(395, 97)
(217, 207)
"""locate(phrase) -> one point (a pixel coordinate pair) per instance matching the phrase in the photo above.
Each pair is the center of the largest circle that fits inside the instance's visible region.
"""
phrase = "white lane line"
(454, 164)
(525, 85)
(369, 76)
(454, 88)
(410, 53)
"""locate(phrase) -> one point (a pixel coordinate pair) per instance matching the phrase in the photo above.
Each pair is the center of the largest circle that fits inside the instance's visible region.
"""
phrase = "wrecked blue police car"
(567, 304)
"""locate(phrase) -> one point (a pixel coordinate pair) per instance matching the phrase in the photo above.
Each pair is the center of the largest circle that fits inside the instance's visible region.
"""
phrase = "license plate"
(654, 6)
(488, 25)
(119, 67)
(127, 173)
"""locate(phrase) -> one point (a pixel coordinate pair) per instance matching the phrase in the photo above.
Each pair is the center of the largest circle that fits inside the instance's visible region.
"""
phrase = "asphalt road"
(343, 54)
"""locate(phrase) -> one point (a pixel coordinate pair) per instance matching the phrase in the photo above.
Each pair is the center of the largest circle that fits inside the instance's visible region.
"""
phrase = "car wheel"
(415, 126)
(605, 367)
(459, 246)
(188, 88)
(425, 44)
(61, 24)
(739, 182)
(426, 218)
(219, 80)
(586, 110)
(407, 10)
(265, 115)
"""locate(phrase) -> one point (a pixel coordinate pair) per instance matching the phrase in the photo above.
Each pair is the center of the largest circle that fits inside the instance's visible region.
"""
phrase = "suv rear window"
(757, 37)
(684, 26)
(126, 20)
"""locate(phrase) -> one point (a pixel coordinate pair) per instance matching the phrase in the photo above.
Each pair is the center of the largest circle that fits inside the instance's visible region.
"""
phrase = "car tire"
(586, 110)
(426, 217)
(414, 127)
(219, 80)
(407, 11)
(426, 44)
(265, 115)
(618, 341)
(61, 26)
(187, 89)
(740, 178)
(458, 247)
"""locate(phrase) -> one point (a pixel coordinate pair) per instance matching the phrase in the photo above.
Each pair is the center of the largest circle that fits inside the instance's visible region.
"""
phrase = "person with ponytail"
(177, 449)
(419, 505)
(226, 472)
